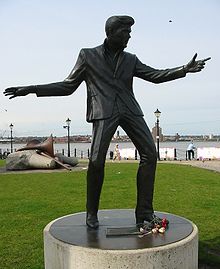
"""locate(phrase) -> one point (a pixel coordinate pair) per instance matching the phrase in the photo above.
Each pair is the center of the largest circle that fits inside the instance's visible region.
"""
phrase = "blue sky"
(40, 42)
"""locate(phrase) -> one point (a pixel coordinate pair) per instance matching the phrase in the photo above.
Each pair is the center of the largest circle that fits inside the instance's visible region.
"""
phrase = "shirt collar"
(107, 50)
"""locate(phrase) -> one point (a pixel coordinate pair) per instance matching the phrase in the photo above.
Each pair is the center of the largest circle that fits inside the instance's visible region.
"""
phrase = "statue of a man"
(108, 72)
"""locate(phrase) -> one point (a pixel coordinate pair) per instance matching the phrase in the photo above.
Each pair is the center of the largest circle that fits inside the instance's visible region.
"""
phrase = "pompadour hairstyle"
(115, 21)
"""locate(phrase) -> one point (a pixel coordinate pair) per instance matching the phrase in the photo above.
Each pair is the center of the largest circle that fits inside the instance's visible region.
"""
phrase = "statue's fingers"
(201, 63)
(9, 90)
(194, 57)
(7, 93)
(13, 96)
(196, 69)
(206, 59)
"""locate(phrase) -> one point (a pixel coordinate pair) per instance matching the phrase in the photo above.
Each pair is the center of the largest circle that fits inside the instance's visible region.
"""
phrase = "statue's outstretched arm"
(66, 87)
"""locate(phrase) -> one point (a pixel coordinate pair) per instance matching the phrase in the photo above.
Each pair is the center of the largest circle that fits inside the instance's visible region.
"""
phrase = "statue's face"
(119, 37)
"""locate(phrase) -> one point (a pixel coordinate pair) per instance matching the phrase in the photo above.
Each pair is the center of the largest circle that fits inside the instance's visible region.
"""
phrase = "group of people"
(190, 152)
(3, 155)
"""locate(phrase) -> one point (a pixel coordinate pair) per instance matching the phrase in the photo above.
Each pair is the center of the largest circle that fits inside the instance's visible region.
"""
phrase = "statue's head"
(118, 29)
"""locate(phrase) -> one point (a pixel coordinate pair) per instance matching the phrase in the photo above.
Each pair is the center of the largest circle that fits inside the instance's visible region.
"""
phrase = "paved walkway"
(210, 165)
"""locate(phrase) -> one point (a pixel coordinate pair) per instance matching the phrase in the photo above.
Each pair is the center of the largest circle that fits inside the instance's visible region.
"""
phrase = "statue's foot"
(151, 219)
(92, 221)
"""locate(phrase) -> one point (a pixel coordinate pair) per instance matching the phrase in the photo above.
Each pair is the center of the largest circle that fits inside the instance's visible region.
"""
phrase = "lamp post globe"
(68, 121)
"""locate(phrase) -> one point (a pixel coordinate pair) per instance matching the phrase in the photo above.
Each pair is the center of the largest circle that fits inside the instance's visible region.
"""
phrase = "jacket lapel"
(119, 62)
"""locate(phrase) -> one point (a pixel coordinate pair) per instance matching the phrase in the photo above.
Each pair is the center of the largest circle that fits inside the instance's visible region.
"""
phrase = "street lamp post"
(11, 127)
(67, 126)
(157, 114)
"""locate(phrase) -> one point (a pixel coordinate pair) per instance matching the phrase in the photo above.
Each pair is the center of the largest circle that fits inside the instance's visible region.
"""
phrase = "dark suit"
(110, 103)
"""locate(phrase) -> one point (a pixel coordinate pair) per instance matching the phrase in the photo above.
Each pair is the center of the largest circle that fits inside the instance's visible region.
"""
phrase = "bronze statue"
(108, 72)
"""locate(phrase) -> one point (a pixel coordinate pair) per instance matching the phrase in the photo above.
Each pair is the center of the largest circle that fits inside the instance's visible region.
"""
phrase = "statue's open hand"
(195, 66)
(16, 91)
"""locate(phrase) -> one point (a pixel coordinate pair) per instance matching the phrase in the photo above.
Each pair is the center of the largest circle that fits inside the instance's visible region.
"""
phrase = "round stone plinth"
(69, 244)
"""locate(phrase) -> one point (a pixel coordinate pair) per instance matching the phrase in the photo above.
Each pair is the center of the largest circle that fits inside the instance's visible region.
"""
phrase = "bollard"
(75, 152)
(135, 154)
(175, 154)
(111, 155)
(88, 153)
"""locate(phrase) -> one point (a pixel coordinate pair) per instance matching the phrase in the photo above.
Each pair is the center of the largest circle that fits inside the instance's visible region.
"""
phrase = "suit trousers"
(138, 131)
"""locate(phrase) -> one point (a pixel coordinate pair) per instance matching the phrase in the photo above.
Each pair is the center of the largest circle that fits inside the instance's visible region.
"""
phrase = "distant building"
(177, 137)
(154, 133)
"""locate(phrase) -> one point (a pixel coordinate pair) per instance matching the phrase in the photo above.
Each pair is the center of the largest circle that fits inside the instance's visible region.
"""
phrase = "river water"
(82, 149)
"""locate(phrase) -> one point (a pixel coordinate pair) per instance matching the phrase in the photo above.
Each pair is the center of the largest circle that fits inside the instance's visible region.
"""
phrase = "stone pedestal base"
(69, 244)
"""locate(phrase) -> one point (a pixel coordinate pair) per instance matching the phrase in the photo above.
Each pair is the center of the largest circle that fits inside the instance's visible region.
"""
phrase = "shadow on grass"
(210, 253)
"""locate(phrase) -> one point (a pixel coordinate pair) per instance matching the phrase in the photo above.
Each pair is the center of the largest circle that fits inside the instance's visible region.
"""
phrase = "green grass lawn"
(2, 163)
(30, 201)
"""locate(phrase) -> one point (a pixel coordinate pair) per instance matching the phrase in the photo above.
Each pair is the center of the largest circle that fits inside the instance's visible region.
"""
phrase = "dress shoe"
(92, 221)
(151, 218)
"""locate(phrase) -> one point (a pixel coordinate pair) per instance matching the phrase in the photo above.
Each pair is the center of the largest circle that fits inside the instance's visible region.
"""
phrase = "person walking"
(117, 154)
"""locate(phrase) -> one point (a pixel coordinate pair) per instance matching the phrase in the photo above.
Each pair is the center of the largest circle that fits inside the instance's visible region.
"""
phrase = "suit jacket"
(104, 83)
